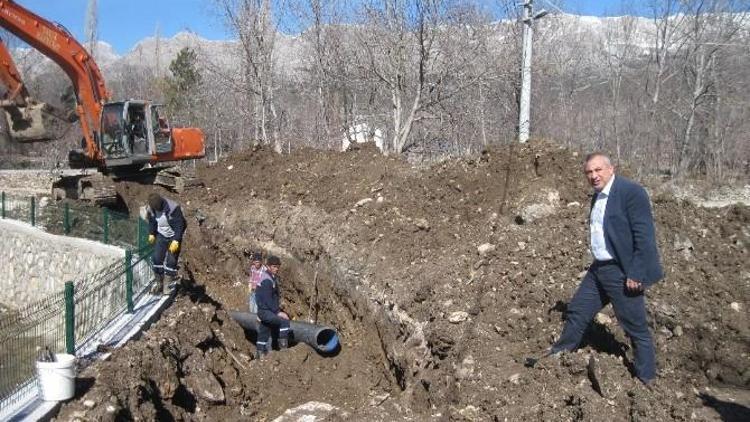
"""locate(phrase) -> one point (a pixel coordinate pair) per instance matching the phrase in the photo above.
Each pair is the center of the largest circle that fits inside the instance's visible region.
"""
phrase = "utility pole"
(91, 24)
(157, 50)
(524, 112)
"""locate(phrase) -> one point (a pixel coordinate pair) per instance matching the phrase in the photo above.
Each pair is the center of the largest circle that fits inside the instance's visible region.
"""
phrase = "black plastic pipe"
(321, 338)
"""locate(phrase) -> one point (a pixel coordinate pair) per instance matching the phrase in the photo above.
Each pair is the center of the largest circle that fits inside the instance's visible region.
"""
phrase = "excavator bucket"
(26, 124)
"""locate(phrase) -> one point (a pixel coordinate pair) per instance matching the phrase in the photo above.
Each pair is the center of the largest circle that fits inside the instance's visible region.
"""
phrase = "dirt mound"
(441, 280)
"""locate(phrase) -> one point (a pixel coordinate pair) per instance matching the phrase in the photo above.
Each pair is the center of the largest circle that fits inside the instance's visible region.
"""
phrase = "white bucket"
(57, 379)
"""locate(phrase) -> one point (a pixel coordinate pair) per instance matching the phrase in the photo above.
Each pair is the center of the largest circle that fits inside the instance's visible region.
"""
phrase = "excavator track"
(174, 178)
(177, 179)
(95, 188)
(99, 189)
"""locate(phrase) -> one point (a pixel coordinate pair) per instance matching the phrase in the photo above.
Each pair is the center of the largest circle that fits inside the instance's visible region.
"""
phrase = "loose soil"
(440, 280)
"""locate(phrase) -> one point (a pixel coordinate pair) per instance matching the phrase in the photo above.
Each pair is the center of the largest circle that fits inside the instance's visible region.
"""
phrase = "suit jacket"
(629, 231)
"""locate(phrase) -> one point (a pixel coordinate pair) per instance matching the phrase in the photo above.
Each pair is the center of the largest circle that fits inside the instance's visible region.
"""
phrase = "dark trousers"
(165, 262)
(601, 285)
(269, 322)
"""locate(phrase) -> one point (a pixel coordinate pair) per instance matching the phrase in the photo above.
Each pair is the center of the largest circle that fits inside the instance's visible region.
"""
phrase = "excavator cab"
(127, 135)
(160, 130)
(134, 132)
(113, 139)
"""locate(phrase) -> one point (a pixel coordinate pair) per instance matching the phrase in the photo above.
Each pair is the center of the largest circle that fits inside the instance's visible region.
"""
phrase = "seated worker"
(270, 315)
(257, 269)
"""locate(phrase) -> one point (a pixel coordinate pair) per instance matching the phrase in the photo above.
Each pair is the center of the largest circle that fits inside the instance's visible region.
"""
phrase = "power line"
(554, 6)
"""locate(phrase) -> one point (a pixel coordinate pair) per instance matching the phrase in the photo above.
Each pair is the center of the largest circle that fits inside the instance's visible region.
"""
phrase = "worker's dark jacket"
(268, 297)
(174, 217)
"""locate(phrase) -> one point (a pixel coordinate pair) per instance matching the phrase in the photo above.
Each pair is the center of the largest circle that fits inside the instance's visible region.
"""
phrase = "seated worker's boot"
(260, 352)
(283, 343)
(158, 284)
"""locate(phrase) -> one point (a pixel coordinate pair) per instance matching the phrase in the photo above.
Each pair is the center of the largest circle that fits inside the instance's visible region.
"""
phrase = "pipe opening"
(327, 340)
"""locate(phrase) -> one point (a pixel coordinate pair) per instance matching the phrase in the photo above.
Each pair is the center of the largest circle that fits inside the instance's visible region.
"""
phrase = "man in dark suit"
(626, 262)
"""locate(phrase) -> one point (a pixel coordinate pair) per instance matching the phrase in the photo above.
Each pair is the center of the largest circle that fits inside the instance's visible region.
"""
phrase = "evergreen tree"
(181, 88)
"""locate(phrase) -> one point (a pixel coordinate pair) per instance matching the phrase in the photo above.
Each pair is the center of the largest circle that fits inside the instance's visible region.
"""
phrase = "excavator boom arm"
(56, 43)
(11, 78)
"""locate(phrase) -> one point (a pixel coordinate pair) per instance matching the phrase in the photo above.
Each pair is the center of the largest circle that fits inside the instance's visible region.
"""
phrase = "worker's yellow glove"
(151, 239)
(174, 246)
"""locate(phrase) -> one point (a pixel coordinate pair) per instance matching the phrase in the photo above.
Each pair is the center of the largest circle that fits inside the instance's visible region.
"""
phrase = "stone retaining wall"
(33, 182)
(34, 264)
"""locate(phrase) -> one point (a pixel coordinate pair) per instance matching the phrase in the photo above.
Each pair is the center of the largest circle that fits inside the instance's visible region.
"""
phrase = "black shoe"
(168, 285)
(531, 362)
(260, 353)
(158, 286)
(649, 384)
(283, 343)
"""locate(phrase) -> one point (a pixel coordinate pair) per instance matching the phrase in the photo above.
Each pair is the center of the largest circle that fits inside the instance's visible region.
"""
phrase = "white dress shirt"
(596, 224)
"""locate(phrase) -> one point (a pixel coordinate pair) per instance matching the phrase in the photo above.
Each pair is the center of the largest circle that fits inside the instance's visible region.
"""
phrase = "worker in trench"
(270, 315)
(166, 227)
(256, 272)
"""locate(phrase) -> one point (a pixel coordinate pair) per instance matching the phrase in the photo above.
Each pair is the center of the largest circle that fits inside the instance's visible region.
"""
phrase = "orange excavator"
(119, 137)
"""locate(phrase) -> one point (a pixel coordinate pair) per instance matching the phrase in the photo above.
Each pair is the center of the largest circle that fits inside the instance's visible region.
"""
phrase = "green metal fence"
(101, 296)
(100, 224)
(66, 320)
(18, 208)
(22, 331)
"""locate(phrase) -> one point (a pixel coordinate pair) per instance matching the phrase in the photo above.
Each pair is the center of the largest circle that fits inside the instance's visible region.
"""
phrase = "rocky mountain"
(584, 36)
(152, 53)
(289, 48)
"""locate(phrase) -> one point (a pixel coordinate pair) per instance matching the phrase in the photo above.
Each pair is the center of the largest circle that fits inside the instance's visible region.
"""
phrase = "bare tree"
(327, 66)
(710, 28)
(406, 44)
(253, 24)
(157, 51)
(619, 51)
(666, 43)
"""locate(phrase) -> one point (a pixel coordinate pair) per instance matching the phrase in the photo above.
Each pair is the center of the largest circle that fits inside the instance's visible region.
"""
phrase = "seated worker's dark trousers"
(601, 285)
(270, 321)
(165, 262)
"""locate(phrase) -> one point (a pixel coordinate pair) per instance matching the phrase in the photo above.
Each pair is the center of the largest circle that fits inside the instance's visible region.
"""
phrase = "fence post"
(105, 223)
(33, 211)
(70, 321)
(139, 241)
(129, 279)
(3, 194)
(66, 218)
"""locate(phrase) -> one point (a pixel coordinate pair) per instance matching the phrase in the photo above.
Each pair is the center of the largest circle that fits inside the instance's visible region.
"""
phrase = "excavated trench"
(320, 288)
(196, 360)
(164, 375)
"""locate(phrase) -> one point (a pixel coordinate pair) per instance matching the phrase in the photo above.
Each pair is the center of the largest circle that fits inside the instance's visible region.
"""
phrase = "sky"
(122, 23)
